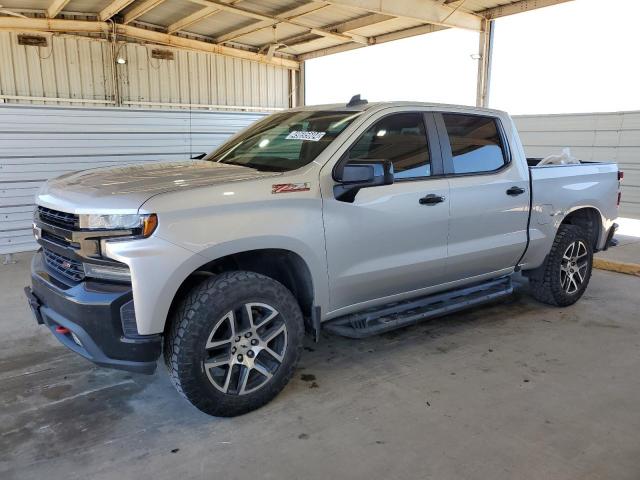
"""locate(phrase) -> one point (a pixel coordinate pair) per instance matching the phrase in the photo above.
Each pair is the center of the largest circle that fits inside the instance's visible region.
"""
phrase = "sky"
(569, 58)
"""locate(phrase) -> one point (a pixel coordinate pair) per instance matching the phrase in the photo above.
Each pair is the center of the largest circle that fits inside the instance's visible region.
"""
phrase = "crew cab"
(356, 219)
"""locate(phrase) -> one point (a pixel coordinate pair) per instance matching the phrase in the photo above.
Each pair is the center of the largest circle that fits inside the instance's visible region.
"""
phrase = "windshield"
(284, 141)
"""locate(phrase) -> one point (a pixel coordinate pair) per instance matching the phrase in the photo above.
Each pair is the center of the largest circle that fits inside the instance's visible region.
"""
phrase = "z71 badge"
(290, 187)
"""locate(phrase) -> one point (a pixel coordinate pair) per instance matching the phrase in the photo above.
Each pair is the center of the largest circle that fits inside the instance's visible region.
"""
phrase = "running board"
(410, 312)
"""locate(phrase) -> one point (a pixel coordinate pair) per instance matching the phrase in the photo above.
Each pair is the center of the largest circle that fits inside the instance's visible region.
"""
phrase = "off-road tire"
(193, 321)
(545, 282)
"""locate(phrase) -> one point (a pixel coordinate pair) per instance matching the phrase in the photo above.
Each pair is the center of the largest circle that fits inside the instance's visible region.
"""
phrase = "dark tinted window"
(476, 145)
(399, 138)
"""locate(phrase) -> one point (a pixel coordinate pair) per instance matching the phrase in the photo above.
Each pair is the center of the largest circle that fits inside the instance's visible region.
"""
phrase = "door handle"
(514, 191)
(431, 199)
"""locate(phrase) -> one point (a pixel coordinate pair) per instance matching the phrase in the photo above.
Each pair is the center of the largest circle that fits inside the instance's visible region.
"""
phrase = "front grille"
(59, 219)
(71, 269)
(53, 238)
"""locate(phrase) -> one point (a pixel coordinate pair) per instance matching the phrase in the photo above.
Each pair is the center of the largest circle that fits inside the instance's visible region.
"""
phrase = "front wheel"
(565, 275)
(234, 343)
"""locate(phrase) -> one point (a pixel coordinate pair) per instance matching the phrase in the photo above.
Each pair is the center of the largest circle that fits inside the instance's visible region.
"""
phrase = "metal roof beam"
(140, 10)
(195, 17)
(254, 27)
(519, 7)
(188, 43)
(343, 27)
(387, 37)
(112, 9)
(56, 7)
(185, 22)
(361, 22)
(141, 34)
(278, 19)
(427, 11)
(13, 24)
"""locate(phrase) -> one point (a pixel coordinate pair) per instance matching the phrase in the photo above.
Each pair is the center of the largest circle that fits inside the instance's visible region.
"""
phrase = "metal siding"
(613, 137)
(69, 67)
(80, 68)
(198, 78)
(42, 142)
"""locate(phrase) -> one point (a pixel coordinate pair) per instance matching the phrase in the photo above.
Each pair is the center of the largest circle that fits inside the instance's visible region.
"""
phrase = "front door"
(388, 242)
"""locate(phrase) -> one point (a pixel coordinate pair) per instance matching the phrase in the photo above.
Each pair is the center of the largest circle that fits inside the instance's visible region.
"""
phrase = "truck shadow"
(432, 337)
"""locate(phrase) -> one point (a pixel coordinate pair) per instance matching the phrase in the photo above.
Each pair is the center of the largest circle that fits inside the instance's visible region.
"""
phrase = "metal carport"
(90, 72)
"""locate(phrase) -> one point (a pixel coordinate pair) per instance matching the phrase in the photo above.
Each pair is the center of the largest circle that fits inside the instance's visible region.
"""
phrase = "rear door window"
(476, 143)
(400, 138)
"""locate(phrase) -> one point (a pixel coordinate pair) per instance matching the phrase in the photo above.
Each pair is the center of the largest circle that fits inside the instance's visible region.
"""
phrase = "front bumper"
(86, 318)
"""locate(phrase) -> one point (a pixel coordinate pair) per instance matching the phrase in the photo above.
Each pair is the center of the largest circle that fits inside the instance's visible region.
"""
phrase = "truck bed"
(557, 190)
(533, 163)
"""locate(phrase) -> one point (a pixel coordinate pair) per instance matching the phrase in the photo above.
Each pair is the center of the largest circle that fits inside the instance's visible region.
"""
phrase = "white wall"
(613, 137)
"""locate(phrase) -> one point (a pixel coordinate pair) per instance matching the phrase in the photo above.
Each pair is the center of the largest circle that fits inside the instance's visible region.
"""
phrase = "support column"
(298, 82)
(485, 53)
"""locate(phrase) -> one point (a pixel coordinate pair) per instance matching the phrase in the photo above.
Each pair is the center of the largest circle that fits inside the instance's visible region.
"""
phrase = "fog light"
(107, 272)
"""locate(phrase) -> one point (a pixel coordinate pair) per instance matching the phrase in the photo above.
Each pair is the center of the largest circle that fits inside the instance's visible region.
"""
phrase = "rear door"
(489, 196)
(388, 242)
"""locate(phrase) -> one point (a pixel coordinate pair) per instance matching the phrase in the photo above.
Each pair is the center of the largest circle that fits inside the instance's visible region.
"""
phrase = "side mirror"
(199, 156)
(356, 174)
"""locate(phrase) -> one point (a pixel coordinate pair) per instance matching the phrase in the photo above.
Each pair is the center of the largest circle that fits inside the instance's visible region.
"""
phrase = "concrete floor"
(627, 251)
(516, 390)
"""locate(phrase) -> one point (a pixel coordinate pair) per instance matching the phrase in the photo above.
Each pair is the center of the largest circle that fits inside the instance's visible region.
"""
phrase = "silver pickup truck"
(355, 219)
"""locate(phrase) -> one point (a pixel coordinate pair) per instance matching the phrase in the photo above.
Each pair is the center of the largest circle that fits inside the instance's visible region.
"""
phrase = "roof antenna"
(356, 100)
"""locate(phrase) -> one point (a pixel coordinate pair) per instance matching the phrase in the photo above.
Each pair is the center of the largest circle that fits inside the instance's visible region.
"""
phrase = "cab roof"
(375, 106)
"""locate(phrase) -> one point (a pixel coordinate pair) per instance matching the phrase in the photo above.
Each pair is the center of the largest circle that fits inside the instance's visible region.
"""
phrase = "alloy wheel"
(245, 348)
(574, 266)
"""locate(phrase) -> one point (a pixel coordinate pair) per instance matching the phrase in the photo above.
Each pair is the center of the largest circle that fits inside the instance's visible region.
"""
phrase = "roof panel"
(325, 16)
(270, 7)
(266, 35)
(317, 44)
(169, 12)
(18, 4)
(330, 15)
(218, 23)
(262, 6)
(387, 26)
(85, 6)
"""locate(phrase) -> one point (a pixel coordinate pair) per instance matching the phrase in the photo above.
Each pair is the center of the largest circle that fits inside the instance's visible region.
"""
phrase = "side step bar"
(401, 314)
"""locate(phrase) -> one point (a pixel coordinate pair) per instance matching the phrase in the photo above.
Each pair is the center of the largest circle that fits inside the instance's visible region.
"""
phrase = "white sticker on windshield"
(308, 136)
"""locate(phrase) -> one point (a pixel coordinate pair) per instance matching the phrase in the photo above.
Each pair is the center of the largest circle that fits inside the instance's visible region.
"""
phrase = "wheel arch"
(590, 220)
(283, 265)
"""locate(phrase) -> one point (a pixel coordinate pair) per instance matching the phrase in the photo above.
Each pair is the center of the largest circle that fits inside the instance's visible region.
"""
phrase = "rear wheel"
(234, 343)
(565, 275)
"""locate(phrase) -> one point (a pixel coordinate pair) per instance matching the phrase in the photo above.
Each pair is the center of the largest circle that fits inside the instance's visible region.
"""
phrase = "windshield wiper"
(267, 168)
(259, 167)
(237, 164)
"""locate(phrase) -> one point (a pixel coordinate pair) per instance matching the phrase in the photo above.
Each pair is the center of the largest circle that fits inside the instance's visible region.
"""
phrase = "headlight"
(146, 224)
(110, 222)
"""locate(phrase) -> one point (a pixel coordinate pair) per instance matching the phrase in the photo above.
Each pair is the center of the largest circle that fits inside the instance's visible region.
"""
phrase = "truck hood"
(128, 187)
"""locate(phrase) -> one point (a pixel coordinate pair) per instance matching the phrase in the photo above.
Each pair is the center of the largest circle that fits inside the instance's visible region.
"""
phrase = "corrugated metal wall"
(82, 70)
(613, 137)
(41, 142)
